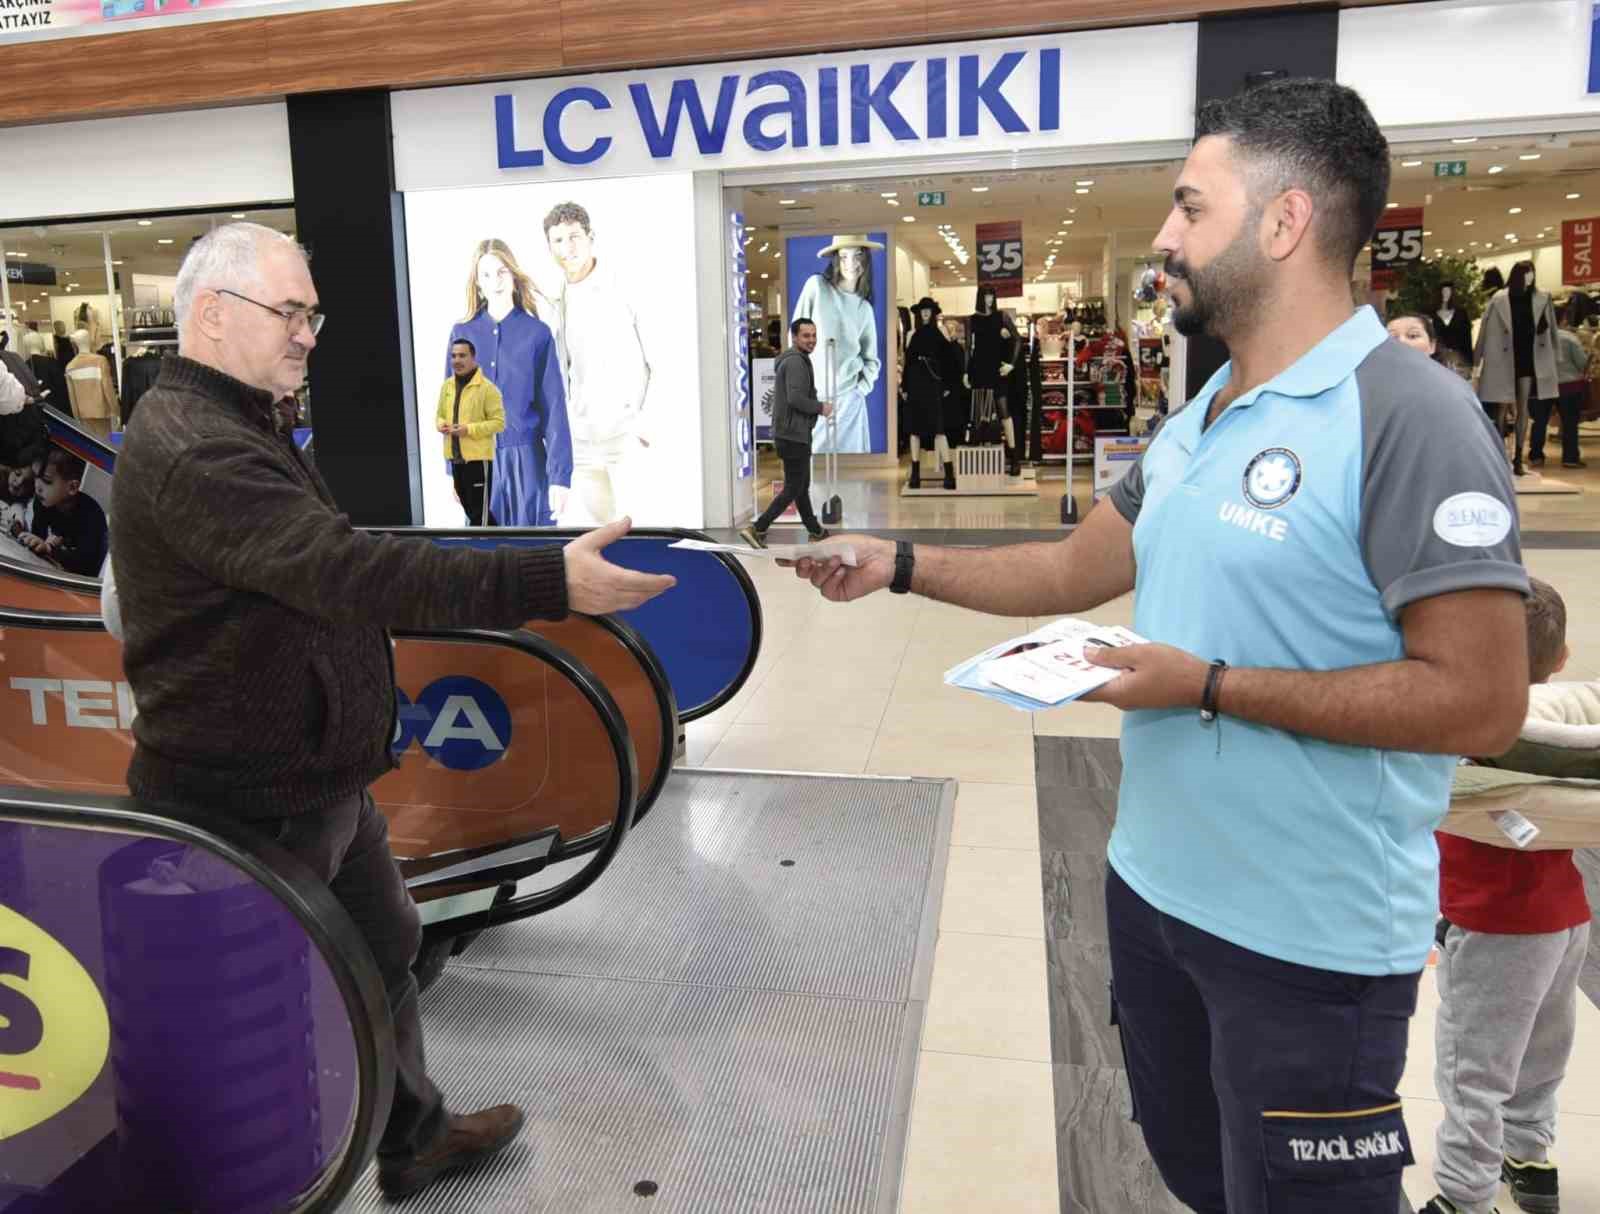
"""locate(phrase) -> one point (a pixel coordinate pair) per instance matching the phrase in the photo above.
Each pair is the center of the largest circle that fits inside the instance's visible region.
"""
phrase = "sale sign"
(1579, 265)
(1396, 246)
(1000, 257)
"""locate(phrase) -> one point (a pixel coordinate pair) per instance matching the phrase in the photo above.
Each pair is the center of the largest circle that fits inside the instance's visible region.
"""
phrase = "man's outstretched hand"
(838, 582)
(597, 587)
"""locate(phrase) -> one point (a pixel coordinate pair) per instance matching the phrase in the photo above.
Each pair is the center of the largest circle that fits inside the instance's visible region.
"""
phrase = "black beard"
(1222, 294)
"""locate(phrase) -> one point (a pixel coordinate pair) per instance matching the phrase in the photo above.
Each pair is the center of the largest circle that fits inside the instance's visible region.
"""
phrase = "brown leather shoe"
(469, 1140)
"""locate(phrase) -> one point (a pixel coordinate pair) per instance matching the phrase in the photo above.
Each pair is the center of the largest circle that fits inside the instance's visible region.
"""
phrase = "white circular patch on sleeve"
(1472, 520)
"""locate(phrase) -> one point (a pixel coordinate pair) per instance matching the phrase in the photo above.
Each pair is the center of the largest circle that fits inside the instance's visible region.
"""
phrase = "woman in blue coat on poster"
(515, 349)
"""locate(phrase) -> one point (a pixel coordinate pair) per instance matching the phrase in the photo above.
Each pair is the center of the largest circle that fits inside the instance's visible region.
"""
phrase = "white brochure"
(779, 552)
(1044, 668)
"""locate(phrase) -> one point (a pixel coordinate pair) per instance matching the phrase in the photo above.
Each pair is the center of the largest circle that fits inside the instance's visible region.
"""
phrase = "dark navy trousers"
(1261, 1086)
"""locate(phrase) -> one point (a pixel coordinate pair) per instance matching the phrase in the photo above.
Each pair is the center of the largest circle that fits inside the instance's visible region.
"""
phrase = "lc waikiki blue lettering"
(773, 109)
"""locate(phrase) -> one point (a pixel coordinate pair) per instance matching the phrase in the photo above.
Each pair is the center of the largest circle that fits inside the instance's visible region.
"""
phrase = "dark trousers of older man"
(1262, 1087)
(347, 846)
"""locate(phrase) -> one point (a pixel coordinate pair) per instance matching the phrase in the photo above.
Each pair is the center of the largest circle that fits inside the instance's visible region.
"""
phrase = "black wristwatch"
(905, 561)
(1208, 697)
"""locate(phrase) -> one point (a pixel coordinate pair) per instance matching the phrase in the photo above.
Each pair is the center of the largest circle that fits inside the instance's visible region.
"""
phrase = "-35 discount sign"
(1000, 257)
(1396, 246)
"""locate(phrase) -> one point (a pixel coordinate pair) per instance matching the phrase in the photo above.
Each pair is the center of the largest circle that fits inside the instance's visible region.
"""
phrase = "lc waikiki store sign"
(1010, 95)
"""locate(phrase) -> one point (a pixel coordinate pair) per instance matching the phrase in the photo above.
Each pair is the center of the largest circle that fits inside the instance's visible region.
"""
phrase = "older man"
(255, 630)
(1325, 552)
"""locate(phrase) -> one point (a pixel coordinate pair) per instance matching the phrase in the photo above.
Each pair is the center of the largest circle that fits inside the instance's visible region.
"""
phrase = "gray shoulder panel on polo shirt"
(1426, 441)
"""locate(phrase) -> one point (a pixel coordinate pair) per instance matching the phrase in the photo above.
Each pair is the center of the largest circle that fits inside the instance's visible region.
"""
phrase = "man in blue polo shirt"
(1324, 549)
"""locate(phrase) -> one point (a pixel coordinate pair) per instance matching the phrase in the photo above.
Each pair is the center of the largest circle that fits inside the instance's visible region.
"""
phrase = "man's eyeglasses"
(291, 317)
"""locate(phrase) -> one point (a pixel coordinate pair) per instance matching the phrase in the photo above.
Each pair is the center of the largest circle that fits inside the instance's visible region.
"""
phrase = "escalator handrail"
(58, 579)
(98, 452)
(590, 687)
(740, 577)
(325, 922)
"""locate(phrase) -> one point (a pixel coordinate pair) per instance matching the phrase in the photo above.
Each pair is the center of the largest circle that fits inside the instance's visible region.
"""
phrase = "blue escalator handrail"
(325, 922)
(707, 632)
(68, 434)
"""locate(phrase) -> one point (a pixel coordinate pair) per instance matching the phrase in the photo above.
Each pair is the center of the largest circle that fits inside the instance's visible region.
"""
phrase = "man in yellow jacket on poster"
(470, 414)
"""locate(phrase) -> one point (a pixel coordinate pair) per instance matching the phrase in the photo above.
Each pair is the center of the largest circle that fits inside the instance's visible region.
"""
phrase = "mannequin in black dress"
(992, 350)
(926, 390)
(1453, 329)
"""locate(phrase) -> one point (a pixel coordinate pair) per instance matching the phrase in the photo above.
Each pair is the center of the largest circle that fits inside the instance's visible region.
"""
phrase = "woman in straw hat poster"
(842, 303)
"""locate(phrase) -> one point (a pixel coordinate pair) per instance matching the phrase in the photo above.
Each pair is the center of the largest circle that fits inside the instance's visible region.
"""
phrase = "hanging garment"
(992, 339)
(926, 387)
(1455, 334)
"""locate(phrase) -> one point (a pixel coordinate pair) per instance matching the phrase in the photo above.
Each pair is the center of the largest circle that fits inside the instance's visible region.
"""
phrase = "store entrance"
(1002, 327)
(1468, 217)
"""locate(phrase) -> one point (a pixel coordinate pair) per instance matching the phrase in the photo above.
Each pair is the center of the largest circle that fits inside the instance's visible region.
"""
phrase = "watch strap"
(905, 562)
(1208, 697)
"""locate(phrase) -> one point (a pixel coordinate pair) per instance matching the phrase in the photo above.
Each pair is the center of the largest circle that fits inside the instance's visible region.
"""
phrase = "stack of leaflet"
(1044, 669)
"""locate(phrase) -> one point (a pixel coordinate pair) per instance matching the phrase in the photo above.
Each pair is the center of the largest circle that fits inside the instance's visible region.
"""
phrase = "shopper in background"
(94, 397)
(1572, 375)
(795, 409)
(68, 527)
(1324, 549)
(1415, 331)
(1512, 944)
(469, 415)
(255, 623)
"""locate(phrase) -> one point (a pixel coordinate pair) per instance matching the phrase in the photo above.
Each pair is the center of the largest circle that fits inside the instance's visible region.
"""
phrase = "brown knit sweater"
(255, 617)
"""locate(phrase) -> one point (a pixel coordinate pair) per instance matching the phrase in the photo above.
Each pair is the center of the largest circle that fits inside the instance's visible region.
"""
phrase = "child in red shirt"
(1514, 942)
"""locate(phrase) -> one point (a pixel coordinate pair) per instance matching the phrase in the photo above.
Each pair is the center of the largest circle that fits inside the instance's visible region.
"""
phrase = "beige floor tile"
(821, 679)
(996, 815)
(995, 759)
(1577, 1153)
(701, 737)
(923, 704)
(982, 1138)
(861, 707)
(988, 998)
(1078, 720)
(993, 891)
(836, 749)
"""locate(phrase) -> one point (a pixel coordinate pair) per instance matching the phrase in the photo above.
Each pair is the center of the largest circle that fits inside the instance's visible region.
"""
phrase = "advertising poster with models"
(842, 283)
(576, 300)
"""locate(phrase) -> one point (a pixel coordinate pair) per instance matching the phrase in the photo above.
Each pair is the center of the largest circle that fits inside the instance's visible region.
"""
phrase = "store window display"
(90, 387)
(927, 365)
(607, 373)
(1517, 353)
(841, 302)
(517, 353)
(993, 347)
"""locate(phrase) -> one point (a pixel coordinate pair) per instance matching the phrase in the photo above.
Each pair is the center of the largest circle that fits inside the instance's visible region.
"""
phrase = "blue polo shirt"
(1292, 534)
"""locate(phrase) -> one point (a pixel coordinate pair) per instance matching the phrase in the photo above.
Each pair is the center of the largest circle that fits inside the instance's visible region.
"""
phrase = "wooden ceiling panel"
(418, 42)
(949, 19)
(618, 33)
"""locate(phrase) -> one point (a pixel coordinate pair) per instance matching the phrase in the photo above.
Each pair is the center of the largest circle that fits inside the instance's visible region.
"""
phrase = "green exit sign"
(930, 198)
(1449, 168)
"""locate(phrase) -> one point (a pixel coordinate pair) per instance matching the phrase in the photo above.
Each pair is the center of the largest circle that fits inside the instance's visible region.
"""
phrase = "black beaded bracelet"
(1208, 697)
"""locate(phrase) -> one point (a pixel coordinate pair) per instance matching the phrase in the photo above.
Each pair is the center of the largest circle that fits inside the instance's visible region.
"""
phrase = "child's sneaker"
(1533, 1185)
(1442, 1205)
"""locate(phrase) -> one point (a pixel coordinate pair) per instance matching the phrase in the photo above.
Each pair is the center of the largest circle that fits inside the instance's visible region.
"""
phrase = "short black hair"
(462, 341)
(1319, 136)
(567, 212)
(794, 325)
(64, 464)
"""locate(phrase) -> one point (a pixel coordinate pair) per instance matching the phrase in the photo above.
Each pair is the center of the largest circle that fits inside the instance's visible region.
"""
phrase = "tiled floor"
(870, 494)
(856, 688)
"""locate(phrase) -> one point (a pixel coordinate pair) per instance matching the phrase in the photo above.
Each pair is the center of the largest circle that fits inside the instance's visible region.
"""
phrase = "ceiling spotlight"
(786, 202)
(1467, 223)
(980, 189)
(237, 215)
(1061, 231)
(1571, 197)
(1080, 190)
(1467, 139)
(116, 263)
(1514, 211)
(164, 240)
(16, 253)
(765, 276)
(909, 218)
(777, 256)
(145, 223)
(1496, 168)
(1463, 250)
(1511, 235)
(1068, 222)
(1392, 205)
(1410, 164)
(1427, 232)
(890, 194)
(1090, 181)
(1530, 156)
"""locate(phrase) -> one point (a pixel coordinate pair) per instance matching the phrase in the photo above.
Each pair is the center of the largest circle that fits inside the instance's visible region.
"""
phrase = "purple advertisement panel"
(842, 284)
(171, 1038)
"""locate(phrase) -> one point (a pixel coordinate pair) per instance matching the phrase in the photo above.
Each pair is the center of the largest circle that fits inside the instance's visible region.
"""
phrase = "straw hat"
(849, 242)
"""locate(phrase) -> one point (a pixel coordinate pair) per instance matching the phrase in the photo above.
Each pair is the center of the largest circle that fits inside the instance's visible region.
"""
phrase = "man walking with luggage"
(795, 409)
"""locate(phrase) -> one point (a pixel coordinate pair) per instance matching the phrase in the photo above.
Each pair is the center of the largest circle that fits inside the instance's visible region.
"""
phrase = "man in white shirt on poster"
(606, 371)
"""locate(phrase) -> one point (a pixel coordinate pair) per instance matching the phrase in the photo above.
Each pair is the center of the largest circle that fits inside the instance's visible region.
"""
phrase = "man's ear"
(1287, 223)
(208, 314)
